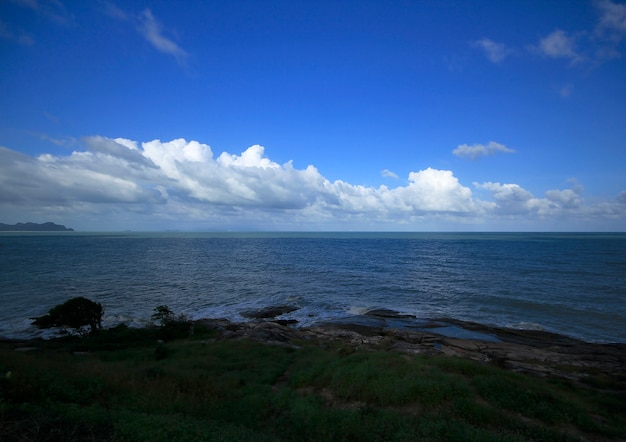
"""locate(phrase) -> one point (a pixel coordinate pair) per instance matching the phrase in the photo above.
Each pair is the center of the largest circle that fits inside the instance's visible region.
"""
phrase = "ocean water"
(574, 284)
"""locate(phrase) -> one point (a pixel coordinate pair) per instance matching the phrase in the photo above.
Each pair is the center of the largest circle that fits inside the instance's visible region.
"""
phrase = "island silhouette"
(34, 227)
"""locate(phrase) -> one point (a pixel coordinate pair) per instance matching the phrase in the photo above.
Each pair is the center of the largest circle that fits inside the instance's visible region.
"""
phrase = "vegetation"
(126, 384)
(172, 326)
(75, 313)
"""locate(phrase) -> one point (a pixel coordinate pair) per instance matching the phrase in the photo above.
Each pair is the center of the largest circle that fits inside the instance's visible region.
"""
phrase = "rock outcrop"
(268, 312)
(537, 352)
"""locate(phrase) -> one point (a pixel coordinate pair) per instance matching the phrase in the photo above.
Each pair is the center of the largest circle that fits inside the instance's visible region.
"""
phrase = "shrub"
(75, 313)
(172, 326)
(163, 314)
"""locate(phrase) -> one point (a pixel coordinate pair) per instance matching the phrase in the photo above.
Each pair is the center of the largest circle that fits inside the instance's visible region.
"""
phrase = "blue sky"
(314, 115)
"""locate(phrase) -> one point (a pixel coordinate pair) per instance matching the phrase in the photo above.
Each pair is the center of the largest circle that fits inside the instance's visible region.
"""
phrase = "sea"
(569, 283)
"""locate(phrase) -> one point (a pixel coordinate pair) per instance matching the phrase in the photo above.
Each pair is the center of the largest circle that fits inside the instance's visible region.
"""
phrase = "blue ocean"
(573, 284)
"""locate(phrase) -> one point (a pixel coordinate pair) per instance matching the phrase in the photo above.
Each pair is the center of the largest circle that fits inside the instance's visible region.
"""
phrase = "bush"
(172, 326)
(163, 314)
(75, 313)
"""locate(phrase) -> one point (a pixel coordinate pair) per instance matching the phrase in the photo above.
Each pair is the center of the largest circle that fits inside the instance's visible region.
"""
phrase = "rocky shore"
(529, 351)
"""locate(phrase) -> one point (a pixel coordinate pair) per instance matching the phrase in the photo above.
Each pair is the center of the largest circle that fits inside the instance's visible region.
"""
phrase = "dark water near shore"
(574, 284)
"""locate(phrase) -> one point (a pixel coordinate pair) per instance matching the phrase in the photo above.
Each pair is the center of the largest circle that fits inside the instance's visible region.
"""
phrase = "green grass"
(129, 387)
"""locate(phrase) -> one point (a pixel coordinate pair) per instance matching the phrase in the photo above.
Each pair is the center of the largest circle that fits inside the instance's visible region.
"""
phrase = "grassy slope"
(129, 388)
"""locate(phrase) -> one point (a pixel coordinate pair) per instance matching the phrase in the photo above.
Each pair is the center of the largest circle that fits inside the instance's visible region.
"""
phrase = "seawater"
(574, 284)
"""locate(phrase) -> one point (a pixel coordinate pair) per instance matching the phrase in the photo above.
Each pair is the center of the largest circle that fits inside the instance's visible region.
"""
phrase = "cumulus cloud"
(438, 191)
(151, 30)
(495, 52)
(166, 184)
(567, 199)
(476, 151)
(186, 176)
(83, 177)
(511, 199)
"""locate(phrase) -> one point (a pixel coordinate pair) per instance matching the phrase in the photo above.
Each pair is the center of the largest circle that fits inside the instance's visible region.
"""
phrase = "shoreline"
(529, 351)
(535, 352)
(266, 379)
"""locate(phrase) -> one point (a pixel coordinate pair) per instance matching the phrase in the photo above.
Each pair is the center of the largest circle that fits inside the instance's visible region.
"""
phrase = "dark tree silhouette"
(74, 313)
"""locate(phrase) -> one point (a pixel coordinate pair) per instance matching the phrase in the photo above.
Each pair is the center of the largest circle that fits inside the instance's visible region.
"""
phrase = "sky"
(293, 115)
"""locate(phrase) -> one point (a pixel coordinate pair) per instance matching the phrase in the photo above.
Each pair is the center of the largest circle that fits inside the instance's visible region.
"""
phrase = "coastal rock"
(271, 332)
(268, 312)
(387, 313)
(533, 352)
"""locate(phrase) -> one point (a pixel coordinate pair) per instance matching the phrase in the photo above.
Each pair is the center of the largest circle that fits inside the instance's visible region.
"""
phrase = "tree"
(172, 326)
(163, 314)
(75, 313)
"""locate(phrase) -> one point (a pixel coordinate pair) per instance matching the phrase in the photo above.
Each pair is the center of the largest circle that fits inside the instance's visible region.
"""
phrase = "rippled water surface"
(573, 284)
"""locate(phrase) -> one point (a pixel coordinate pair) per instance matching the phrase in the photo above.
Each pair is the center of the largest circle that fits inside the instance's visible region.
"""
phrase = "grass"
(125, 385)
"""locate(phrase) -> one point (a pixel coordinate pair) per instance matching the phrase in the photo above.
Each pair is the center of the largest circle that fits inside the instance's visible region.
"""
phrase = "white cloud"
(160, 185)
(438, 191)
(595, 45)
(186, 176)
(480, 150)
(153, 33)
(386, 173)
(559, 45)
(495, 52)
(613, 18)
(511, 199)
(149, 28)
(567, 199)
(610, 30)
(251, 157)
(83, 177)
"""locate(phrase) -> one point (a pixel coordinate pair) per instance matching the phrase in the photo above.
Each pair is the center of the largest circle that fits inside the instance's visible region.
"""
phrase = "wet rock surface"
(268, 312)
(530, 351)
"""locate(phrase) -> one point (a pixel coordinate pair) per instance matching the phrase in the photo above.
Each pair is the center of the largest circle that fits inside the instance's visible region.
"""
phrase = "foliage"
(172, 326)
(75, 313)
(163, 314)
(211, 389)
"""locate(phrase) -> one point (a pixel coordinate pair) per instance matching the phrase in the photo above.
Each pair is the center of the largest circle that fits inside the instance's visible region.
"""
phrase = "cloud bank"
(119, 183)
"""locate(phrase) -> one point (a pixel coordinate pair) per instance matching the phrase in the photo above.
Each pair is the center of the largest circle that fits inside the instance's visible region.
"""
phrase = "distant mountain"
(34, 227)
